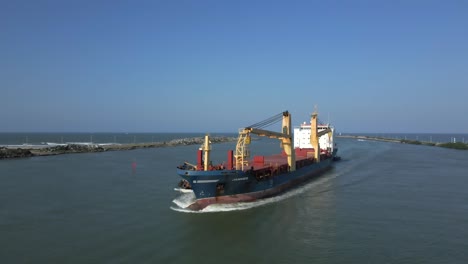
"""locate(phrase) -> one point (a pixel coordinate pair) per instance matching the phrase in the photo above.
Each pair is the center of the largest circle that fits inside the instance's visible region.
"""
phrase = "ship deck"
(277, 160)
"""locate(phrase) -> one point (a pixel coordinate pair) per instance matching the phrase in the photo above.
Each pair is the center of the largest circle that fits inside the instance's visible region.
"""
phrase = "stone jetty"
(7, 152)
(452, 145)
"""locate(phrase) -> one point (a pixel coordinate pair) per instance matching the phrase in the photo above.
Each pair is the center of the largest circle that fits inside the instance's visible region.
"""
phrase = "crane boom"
(286, 139)
(323, 132)
(266, 133)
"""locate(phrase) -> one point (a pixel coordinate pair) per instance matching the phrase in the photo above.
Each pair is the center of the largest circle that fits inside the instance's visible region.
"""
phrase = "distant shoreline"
(452, 145)
(25, 151)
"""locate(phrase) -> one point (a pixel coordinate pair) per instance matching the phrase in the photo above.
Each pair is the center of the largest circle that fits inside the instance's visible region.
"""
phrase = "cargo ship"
(306, 153)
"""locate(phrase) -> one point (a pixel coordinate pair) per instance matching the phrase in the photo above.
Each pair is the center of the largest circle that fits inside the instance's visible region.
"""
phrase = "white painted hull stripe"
(205, 181)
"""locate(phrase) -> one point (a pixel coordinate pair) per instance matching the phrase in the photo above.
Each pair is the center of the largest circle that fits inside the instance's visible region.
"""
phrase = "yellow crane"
(315, 135)
(286, 138)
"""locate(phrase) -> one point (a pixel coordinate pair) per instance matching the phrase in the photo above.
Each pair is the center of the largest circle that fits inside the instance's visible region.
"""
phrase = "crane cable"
(268, 122)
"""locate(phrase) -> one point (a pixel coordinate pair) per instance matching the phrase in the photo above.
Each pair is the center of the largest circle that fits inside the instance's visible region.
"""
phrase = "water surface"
(383, 203)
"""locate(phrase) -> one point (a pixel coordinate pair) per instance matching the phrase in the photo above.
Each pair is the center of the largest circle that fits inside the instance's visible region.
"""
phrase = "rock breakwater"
(6, 153)
(452, 145)
(29, 151)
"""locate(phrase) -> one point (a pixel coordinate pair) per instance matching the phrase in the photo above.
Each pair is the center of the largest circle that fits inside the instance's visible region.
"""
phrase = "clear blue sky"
(216, 66)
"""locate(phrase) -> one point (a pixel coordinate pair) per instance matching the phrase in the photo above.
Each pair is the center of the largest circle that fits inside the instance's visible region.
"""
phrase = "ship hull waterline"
(294, 179)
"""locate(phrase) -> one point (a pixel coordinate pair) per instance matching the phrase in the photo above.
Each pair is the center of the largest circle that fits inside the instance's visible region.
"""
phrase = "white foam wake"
(185, 199)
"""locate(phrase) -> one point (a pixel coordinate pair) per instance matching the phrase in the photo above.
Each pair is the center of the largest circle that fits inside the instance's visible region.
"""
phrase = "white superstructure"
(302, 137)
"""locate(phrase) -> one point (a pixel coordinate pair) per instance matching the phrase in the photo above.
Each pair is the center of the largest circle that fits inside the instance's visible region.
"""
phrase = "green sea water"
(383, 203)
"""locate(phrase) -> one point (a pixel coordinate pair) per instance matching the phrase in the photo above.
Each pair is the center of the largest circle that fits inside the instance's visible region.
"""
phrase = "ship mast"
(314, 138)
(206, 147)
(315, 134)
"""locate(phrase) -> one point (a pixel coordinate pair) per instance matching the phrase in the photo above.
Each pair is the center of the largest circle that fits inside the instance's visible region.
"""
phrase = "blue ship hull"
(230, 186)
